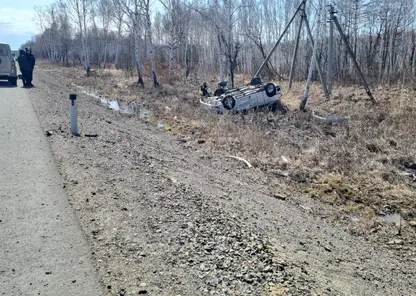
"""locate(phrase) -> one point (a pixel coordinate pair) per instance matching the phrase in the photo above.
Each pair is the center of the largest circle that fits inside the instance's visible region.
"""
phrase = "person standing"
(203, 91)
(24, 66)
(32, 62)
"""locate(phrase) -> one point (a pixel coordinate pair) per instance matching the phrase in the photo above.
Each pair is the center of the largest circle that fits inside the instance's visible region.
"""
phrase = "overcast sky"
(17, 24)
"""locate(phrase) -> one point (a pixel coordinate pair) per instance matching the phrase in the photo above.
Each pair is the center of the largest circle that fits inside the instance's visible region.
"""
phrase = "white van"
(7, 64)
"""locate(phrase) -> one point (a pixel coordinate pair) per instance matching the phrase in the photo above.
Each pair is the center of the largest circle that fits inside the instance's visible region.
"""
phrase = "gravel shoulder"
(165, 216)
(42, 248)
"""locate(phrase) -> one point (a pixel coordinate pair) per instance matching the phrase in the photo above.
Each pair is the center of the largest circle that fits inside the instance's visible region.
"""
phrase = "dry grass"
(358, 167)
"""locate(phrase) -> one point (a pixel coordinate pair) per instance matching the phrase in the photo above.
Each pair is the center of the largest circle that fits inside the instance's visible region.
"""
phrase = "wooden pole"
(352, 56)
(330, 48)
(311, 67)
(278, 41)
(318, 63)
(295, 51)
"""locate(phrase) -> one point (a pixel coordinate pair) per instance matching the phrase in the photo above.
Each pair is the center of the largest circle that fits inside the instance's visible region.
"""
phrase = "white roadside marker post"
(73, 108)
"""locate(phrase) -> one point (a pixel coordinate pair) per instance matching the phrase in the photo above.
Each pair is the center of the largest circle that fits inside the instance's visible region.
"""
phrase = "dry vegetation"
(360, 167)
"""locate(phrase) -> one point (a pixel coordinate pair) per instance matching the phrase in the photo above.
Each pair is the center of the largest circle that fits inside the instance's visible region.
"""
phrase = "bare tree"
(223, 17)
(118, 20)
(132, 10)
(253, 27)
(174, 23)
(148, 27)
(228, 36)
(78, 11)
(65, 32)
(106, 13)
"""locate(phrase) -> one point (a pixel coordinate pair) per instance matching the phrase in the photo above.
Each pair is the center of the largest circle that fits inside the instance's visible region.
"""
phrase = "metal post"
(73, 110)
(357, 67)
(330, 48)
(280, 39)
(295, 51)
(318, 63)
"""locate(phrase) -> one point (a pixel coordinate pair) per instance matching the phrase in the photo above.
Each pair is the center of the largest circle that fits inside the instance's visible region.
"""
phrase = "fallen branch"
(330, 119)
(279, 196)
(242, 159)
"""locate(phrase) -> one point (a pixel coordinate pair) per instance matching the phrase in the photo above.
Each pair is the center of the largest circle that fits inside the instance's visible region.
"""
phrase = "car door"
(241, 102)
(5, 60)
(261, 98)
(248, 101)
(242, 99)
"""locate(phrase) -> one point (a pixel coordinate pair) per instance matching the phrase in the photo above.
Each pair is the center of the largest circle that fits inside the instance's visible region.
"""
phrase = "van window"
(4, 50)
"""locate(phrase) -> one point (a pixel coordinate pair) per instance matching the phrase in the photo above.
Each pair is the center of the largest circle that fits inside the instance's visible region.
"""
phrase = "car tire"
(13, 81)
(219, 92)
(270, 89)
(228, 102)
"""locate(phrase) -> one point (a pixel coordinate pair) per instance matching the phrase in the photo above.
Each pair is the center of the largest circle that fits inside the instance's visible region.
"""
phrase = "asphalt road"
(42, 248)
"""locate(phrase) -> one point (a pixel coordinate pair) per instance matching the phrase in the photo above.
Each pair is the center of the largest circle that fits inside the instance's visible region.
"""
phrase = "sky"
(17, 21)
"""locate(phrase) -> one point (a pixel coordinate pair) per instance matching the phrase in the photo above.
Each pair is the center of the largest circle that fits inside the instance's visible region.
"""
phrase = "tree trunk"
(413, 59)
(221, 67)
(105, 50)
(86, 55)
(117, 58)
(187, 60)
(231, 75)
(84, 36)
(105, 57)
(137, 54)
(152, 51)
(171, 58)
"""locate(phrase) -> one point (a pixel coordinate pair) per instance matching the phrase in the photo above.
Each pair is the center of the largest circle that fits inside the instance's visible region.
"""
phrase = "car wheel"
(228, 102)
(13, 81)
(219, 92)
(270, 89)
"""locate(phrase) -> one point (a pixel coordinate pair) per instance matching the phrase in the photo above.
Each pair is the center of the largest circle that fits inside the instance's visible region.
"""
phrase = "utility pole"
(295, 51)
(352, 56)
(311, 67)
(280, 39)
(318, 63)
(304, 20)
(330, 48)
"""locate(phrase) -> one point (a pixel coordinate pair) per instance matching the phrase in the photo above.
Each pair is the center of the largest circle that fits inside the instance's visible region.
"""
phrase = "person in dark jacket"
(24, 66)
(203, 91)
(32, 62)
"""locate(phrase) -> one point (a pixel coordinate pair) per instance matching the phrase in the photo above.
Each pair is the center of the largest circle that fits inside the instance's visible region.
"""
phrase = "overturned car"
(252, 96)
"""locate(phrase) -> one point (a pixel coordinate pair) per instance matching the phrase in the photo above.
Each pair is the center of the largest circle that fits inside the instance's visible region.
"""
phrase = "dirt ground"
(325, 210)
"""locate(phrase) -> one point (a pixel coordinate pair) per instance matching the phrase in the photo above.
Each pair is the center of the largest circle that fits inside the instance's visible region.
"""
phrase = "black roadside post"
(73, 109)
